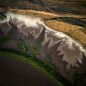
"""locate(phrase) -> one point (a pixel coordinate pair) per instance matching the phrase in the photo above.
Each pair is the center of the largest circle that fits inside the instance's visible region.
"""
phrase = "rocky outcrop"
(73, 25)
(30, 35)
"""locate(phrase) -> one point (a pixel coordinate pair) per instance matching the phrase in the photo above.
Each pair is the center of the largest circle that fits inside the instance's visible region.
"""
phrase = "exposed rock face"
(31, 35)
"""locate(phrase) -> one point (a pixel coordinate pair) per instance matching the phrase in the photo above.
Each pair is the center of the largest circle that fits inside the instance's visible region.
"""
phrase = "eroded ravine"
(30, 35)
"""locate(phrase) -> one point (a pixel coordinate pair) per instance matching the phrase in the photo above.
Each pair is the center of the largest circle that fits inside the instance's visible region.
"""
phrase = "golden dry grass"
(45, 15)
(73, 30)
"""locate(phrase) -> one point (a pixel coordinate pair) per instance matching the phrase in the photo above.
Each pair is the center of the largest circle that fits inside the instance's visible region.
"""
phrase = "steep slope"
(73, 25)
(30, 35)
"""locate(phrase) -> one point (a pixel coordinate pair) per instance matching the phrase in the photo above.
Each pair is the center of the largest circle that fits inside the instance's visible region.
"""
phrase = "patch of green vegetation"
(22, 46)
(36, 50)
